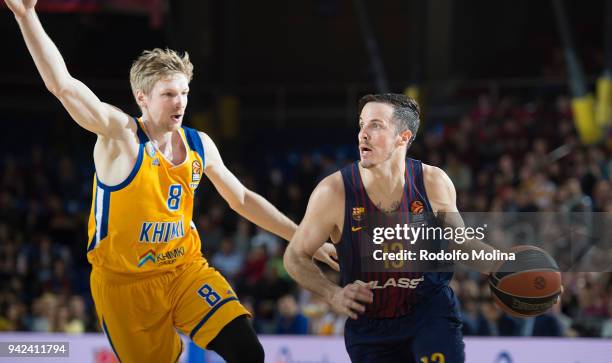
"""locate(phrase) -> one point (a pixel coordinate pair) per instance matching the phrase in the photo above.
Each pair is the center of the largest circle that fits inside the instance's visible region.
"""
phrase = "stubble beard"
(371, 164)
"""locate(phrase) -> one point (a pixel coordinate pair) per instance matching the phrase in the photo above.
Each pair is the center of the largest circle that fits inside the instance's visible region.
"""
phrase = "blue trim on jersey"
(142, 136)
(210, 313)
(128, 180)
(142, 139)
(92, 243)
(109, 339)
(105, 214)
(195, 142)
(103, 226)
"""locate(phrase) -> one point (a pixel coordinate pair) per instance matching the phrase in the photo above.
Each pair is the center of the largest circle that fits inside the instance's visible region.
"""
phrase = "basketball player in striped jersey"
(396, 315)
(149, 279)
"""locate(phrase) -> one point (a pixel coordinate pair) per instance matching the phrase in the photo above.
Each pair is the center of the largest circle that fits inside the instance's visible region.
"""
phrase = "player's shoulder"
(330, 188)
(127, 129)
(437, 183)
(434, 175)
(207, 141)
(130, 136)
(193, 132)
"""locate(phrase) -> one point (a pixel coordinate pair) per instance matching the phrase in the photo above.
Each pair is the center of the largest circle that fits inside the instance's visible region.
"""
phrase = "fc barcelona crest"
(416, 207)
(358, 213)
(196, 170)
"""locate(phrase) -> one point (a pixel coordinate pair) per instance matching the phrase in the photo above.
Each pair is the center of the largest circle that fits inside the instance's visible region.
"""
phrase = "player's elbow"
(60, 88)
(55, 89)
(239, 201)
(236, 205)
(291, 260)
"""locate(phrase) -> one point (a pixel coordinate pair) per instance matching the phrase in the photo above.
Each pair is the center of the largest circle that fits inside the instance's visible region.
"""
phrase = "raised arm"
(248, 204)
(323, 217)
(251, 205)
(443, 199)
(82, 104)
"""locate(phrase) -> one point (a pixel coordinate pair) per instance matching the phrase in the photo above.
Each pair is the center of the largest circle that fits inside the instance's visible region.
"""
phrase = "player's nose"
(362, 135)
(180, 102)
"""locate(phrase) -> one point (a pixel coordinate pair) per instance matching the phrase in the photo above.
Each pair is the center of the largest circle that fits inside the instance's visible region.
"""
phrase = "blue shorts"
(430, 334)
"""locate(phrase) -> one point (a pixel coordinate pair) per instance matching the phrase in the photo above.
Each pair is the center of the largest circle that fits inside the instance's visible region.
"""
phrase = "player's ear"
(140, 98)
(405, 137)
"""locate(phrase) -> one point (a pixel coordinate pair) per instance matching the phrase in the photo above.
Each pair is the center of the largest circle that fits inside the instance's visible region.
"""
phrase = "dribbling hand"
(20, 7)
(350, 300)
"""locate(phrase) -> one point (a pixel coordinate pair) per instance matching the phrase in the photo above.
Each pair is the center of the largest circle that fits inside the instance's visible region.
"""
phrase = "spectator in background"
(15, 319)
(459, 173)
(242, 236)
(290, 320)
(267, 240)
(493, 322)
(44, 313)
(322, 319)
(548, 324)
(228, 260)
(254, 266)
(78, 321)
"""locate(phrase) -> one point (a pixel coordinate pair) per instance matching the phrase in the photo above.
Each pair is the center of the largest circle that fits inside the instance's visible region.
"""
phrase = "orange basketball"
(527, 286)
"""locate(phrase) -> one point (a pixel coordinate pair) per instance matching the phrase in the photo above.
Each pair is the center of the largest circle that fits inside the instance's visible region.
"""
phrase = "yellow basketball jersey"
(144, 225)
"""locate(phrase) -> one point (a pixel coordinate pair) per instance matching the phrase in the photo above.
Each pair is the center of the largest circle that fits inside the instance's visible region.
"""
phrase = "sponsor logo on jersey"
(161, 232)
(149, 256)
(358, 213)
(196, 170)
(355, 229)
(170, 257)
(164, 258)
(402, 282)
(155, 162)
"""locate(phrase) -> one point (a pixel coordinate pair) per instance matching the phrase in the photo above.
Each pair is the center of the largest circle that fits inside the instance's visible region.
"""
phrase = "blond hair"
(153, 65)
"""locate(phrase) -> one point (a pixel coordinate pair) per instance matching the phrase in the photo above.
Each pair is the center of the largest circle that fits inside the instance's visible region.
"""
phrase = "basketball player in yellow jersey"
(148, 278)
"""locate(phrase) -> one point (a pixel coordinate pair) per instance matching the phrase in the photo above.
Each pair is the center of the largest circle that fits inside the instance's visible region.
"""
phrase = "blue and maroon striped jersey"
(397, 288)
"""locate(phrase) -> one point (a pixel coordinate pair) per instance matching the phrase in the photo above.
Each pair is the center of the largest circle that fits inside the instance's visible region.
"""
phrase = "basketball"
(527, 286)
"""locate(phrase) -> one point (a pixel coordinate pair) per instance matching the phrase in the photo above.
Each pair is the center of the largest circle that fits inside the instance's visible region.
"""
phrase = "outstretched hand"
(20, 7)
(327, 254)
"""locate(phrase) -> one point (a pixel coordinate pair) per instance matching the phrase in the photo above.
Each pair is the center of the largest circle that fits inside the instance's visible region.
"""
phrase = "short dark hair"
(406, 111)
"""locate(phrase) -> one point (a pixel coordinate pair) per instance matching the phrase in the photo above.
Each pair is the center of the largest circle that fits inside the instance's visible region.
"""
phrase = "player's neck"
(162, 138)
(389, 173)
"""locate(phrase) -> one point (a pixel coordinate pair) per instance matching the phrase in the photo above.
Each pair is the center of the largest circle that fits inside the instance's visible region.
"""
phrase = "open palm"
(19, 7)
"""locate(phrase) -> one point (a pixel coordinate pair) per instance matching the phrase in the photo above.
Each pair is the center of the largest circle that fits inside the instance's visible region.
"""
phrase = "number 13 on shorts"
(435, 358)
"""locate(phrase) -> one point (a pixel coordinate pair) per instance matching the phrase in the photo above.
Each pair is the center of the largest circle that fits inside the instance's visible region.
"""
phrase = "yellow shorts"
(141, 316)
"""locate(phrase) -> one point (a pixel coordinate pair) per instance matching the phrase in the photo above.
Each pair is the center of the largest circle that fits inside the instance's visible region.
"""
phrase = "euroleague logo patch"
(416, 207)
(196, 169)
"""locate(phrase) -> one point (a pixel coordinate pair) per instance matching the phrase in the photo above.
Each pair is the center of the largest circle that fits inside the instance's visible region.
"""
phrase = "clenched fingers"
(360, 293)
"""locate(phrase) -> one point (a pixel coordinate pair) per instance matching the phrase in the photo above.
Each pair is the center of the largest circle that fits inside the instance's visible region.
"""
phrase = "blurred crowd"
(504, 155)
